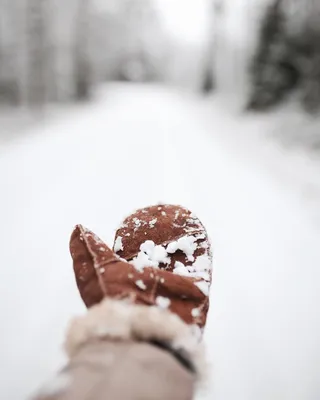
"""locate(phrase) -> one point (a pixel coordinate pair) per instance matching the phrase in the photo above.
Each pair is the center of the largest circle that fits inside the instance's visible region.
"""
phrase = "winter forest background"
(110, 105)
(263, 53)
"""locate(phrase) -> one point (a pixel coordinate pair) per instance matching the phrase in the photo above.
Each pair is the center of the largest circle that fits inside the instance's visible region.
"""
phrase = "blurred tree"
(82, 61)
(287, 55)
(36, 36)
(141, 60)
(271, 80)
(208, 83)
(9, 90)
(55, 50)
(131, 32)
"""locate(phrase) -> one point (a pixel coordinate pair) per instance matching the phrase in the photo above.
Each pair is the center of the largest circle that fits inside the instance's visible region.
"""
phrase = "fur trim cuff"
(119, 319)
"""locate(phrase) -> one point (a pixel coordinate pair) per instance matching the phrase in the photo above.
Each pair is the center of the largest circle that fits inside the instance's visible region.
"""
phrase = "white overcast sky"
(185, 19)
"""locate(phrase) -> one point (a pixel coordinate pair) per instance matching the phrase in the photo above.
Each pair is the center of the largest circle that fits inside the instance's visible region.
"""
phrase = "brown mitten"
(145, 298)
(161, 257)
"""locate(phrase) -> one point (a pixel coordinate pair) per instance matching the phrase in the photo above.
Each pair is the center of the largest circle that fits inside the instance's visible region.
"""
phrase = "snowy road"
(135, 147)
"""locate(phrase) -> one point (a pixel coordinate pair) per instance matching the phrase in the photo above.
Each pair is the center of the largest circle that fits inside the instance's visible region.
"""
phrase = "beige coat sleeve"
(117, 370)
(111, 356)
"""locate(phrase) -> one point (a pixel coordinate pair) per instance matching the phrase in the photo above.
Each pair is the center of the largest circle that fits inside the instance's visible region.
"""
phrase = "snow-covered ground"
(140, 145)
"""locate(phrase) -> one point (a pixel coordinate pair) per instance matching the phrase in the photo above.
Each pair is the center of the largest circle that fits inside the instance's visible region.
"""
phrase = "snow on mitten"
(161, 257)
(172, 241)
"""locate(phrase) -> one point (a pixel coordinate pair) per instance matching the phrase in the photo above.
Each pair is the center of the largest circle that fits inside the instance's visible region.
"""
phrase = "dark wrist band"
(179, 354)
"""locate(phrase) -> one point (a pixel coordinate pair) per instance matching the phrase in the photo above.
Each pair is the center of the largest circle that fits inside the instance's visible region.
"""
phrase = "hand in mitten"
(161, 257)
(144, 299)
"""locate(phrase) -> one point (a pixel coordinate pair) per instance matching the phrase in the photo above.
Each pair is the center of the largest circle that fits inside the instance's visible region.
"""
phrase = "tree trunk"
(82, 62)
(208, 83)
(9, 90)
(36, 49)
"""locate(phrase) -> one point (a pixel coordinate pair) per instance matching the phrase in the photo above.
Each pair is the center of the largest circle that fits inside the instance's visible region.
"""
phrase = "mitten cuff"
(121, 320)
